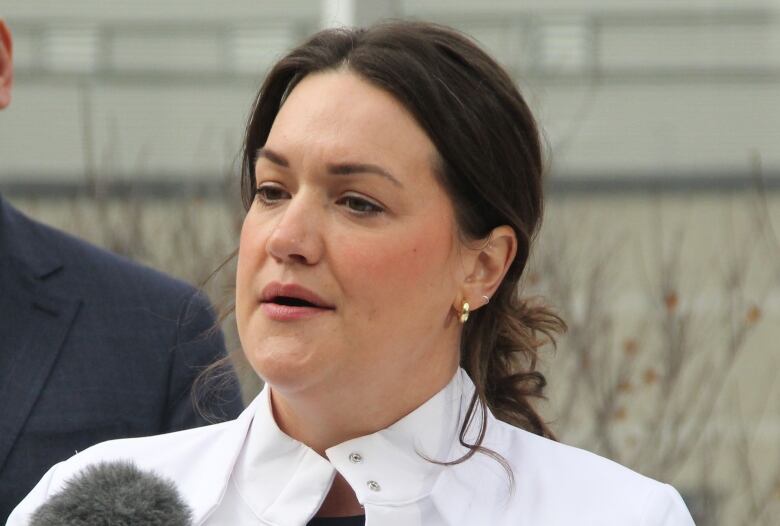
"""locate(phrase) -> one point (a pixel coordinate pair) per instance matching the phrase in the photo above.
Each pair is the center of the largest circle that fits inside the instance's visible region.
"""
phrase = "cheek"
(243, 254)
(399, 265)
(250, 251)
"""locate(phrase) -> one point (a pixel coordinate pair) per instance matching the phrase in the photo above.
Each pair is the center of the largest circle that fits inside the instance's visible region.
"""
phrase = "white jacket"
(247, 471)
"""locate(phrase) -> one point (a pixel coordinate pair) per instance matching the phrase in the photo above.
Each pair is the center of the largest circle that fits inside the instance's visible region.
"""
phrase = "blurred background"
(660, 245)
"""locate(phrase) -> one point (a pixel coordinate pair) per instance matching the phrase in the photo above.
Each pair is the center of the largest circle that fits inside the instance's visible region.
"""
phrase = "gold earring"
(464, 312)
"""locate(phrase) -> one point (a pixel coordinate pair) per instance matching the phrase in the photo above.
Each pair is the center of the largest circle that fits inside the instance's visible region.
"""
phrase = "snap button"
(373, 485)
(355, 458)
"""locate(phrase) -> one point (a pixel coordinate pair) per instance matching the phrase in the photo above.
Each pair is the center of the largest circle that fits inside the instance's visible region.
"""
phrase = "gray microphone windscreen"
(115, 494)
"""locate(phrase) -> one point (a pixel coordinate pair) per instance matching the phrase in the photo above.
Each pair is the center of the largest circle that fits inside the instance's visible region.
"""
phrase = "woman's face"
(348, 266)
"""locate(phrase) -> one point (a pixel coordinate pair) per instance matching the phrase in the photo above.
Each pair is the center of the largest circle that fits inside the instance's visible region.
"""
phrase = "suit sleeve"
(199, 344)
(665, 507)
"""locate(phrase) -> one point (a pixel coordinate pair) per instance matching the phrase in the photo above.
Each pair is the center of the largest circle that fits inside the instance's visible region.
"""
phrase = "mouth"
(292, 302)
(286, 302)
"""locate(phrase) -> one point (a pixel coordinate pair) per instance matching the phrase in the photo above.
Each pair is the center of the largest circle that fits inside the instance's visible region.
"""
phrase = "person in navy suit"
(92, 346)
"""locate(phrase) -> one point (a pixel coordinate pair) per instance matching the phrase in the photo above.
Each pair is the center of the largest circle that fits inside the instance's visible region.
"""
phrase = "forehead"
(340, 113)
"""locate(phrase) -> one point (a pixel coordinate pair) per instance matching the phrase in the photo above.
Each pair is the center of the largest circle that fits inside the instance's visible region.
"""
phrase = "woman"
(392, 180)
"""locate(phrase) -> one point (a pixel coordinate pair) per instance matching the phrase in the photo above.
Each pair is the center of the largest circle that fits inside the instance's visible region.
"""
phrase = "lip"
(280, 312)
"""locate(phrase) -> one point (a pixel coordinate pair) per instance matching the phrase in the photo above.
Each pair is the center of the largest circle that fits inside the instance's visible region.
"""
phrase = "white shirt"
(248, 472)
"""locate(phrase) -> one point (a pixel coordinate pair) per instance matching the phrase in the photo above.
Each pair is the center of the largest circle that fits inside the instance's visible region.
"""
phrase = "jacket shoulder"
(598, 490)
(86, 266)
(553, 483)
(198, 461)
(98, 262)
(159, 453)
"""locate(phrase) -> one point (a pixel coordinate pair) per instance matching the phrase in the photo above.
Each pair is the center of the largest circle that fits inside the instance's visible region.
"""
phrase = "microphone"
(114, 494)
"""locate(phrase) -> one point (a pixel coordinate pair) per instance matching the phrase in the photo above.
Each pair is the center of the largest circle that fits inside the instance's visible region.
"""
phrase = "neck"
(357, 405)
(340, 501)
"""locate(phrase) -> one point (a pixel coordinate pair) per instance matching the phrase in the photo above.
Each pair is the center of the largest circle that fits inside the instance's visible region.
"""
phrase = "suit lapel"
(34, 321)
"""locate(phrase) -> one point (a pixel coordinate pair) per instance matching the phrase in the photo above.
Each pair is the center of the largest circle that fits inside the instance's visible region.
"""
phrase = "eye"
(360, 205)
(269, 194)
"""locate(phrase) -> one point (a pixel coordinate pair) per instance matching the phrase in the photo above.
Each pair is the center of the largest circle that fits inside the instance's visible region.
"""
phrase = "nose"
(296, 237)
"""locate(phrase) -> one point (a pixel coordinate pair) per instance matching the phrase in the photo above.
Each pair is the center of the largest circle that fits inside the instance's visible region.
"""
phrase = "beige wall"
(622, 91)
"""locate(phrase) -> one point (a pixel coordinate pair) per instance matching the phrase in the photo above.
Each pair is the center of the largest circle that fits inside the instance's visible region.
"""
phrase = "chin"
(286, 365)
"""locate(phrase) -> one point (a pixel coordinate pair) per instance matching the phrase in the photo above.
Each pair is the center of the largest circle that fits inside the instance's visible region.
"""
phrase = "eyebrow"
(272, 156)
(333, 168)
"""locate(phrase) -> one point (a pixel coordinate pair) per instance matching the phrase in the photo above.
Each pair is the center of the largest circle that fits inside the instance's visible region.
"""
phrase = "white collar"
(284, 481)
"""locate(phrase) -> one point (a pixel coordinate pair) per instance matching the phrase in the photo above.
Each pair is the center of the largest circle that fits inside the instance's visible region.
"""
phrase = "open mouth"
(290, 301)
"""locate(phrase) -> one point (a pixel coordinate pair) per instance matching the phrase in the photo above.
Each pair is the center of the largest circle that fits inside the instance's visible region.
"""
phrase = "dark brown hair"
(490, 164)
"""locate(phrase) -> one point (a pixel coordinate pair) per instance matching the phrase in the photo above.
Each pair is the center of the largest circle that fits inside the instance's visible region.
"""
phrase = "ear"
(485, 266)
(6, 65)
